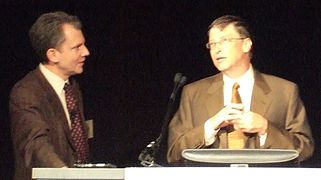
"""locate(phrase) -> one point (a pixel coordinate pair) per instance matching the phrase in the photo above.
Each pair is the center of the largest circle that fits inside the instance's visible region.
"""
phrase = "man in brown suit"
(271, 115)
(40, 118)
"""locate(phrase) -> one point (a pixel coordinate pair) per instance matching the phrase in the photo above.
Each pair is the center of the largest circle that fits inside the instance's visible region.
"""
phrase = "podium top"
(78, 173)
(246, 156)
(186, 173)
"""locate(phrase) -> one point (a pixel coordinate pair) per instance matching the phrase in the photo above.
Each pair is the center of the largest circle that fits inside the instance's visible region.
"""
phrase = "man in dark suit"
(270, 115)
(41, 120)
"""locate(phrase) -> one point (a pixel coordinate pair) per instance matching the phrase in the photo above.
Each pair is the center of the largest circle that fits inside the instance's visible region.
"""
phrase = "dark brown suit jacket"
(40, 131)
(274, 98)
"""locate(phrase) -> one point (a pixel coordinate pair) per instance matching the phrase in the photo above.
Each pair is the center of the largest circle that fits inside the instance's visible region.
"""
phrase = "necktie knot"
(236, 98)
(67, 87)
(236, 86)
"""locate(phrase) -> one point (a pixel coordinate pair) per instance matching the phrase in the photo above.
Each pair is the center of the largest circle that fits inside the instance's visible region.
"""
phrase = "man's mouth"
(220, 59)
(81, 63)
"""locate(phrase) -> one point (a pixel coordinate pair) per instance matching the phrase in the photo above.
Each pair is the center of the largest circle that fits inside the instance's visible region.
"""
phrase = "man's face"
(227, 50)
(72, 52)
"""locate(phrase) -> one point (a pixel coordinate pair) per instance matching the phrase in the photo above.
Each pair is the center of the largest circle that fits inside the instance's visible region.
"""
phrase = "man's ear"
(52, 55)
(247, 45)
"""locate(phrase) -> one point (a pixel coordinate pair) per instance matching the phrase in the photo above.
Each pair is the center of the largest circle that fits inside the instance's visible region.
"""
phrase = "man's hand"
(251, 122)
(226, 116)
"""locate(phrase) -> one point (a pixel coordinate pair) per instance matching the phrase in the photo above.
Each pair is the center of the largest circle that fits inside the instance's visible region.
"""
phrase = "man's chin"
(221, 68)
(78, 71)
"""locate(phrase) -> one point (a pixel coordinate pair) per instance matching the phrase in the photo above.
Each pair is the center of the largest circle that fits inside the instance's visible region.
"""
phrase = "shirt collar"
(54, 80)
(244, 79)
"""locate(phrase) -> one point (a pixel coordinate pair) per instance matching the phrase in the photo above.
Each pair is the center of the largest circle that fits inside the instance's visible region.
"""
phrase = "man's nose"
(85, 51)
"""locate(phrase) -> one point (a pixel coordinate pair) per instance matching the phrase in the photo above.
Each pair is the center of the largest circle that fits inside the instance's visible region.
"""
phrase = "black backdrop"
(137, 46)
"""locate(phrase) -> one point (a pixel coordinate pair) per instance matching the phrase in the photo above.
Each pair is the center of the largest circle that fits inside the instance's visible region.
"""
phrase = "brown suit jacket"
(274, 98)
(40, 131)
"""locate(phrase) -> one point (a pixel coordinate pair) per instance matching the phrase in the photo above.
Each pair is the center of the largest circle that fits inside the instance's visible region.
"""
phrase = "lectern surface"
(249, 156)
(78, 173)
(176, 173)
(221, 173)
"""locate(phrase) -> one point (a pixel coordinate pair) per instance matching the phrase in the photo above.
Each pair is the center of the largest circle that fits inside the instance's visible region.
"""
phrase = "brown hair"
(240, 25)
(47, 32)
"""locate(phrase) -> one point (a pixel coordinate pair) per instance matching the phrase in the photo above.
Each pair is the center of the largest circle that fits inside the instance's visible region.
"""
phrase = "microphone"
(147, 156)
(182, 82)
(177, 79)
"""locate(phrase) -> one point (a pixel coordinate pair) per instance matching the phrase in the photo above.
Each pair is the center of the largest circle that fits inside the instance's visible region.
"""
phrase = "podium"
(186, 173)
(221, 173)
(262, 163)
(241, 157)
(78, 173)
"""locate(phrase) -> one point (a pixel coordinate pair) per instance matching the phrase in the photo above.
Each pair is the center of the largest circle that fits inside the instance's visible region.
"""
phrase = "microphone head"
(177, 77)
(183, 80)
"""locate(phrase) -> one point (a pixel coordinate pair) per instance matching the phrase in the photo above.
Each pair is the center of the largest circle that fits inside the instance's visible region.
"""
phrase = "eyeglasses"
(223, 42)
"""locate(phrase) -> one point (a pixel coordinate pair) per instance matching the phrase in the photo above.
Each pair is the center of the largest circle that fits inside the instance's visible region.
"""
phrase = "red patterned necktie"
(78, 132)
(235, 137)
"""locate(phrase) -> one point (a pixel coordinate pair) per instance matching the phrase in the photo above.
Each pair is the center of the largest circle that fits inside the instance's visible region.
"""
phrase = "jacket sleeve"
(296, 134)
(30, 132)
(182, 132)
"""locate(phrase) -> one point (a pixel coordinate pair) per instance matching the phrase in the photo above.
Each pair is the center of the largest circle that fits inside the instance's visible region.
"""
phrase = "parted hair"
(240, 24)
(47, 32)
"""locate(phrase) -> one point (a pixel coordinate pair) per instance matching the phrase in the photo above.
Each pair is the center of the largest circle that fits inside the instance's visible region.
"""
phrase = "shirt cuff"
(209, 133)
(262, 139)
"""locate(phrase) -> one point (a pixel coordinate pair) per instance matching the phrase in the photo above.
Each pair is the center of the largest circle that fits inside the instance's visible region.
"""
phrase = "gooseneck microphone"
(177, 79)
(147, 156)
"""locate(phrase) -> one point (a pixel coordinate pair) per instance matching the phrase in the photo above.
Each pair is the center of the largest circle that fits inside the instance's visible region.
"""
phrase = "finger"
(236, 127)
(234, 111)
(223, 124)
(230, 118)
(235, 106)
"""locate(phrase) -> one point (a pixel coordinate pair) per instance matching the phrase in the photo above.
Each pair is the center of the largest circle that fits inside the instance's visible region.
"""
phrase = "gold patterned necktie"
(78, 132)
(235, 137)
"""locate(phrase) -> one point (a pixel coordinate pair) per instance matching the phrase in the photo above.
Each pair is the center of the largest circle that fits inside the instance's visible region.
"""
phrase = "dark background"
(137, 46)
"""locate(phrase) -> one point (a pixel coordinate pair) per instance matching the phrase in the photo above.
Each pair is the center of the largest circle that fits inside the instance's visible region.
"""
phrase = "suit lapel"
(260, 97)
(214, 100)
(214, 103)
(55, 101)
(260, 104)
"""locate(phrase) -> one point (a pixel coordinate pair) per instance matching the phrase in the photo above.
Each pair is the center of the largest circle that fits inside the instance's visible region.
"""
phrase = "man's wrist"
(263, 130)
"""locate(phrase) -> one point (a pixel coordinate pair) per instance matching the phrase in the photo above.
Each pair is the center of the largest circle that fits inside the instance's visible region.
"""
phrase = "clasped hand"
(233, 114)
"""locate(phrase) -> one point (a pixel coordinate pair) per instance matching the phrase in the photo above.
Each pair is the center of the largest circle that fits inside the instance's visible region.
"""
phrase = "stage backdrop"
(136, 48)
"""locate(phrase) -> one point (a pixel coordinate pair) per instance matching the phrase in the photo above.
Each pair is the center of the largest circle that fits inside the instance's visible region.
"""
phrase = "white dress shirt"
(246, 82)
(57, 84)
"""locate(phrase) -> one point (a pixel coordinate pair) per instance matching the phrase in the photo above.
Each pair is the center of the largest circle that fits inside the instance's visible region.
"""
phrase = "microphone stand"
(147, 156)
